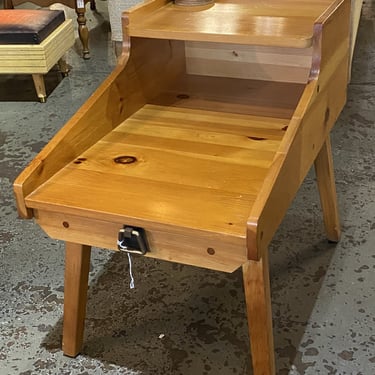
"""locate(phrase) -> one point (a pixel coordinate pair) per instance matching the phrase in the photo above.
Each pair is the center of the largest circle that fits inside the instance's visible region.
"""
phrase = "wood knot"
(125, 159)
(210, 251)
(257, 138)
(182, 96)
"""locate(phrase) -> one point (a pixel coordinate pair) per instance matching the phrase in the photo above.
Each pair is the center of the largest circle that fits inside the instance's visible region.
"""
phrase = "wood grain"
(77, 266)
(215, 159)
(327, 189)
(355, 15)
(120, 95)
(175, 246)
(283, 24)
(274, 64)
(319, 107)
(196, 174)
(259, 313)
(231, 95)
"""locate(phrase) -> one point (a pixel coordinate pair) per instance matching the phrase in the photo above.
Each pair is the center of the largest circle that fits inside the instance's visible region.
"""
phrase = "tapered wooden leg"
(40, 87)
(63, 66)
(77, 265)
(259, 315)
(327, 189)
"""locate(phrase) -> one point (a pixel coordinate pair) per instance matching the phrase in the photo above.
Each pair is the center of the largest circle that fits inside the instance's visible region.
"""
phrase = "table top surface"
(285, 23)
(200, 159)
(163, 163)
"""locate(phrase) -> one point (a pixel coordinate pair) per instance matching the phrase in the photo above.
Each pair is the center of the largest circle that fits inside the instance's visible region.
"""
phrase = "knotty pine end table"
(194, 147)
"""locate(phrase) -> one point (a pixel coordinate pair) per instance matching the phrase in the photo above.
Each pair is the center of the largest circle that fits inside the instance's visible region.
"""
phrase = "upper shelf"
(282, 23)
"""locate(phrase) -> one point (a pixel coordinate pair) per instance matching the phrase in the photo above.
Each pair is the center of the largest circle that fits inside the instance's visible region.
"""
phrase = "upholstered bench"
(32, 42)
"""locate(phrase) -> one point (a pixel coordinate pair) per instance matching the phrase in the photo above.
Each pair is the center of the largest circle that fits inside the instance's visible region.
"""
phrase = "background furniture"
(115, 10)
(32, 42)
(216, 144)
(78, 5)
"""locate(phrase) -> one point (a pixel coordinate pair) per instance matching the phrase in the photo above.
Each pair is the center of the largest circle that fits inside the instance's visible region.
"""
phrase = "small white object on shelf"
(293, 371)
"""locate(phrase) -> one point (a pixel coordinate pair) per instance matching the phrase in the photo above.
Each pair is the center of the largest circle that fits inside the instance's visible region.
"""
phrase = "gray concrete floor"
(180, 319)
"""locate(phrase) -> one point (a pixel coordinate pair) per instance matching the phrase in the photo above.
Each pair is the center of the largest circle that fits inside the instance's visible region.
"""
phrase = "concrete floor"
(180, 319)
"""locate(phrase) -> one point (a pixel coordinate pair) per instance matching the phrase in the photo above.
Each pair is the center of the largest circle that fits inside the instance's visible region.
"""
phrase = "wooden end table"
(200, 137)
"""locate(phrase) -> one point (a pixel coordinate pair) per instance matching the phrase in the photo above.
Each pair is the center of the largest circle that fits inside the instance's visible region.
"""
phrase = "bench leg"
(83, 32)
(327, 190)
(63, 66)
(259, 315)
(40, 87)
(77, 266)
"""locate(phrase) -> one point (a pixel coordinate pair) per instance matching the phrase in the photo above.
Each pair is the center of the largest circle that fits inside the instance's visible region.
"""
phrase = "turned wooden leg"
(83, 32)
(259, 315)
(40, 87)
(77, 266)
(8, 4)
(327, 189)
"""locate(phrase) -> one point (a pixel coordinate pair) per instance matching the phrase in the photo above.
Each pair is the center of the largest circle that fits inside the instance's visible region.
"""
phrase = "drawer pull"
(132, 240)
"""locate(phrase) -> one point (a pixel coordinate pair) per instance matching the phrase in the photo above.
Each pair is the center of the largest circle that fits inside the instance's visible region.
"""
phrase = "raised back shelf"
(271, 23)
(237, 39)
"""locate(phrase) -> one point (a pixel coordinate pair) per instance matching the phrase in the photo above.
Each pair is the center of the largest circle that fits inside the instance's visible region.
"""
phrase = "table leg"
(327, 190)
(40, 87)
(83, 31)
(77, 266)
(259, 315)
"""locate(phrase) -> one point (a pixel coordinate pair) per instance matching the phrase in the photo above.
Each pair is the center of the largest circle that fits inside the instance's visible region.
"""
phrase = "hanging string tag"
(132, 240)
(123, 247)
(132, 286)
